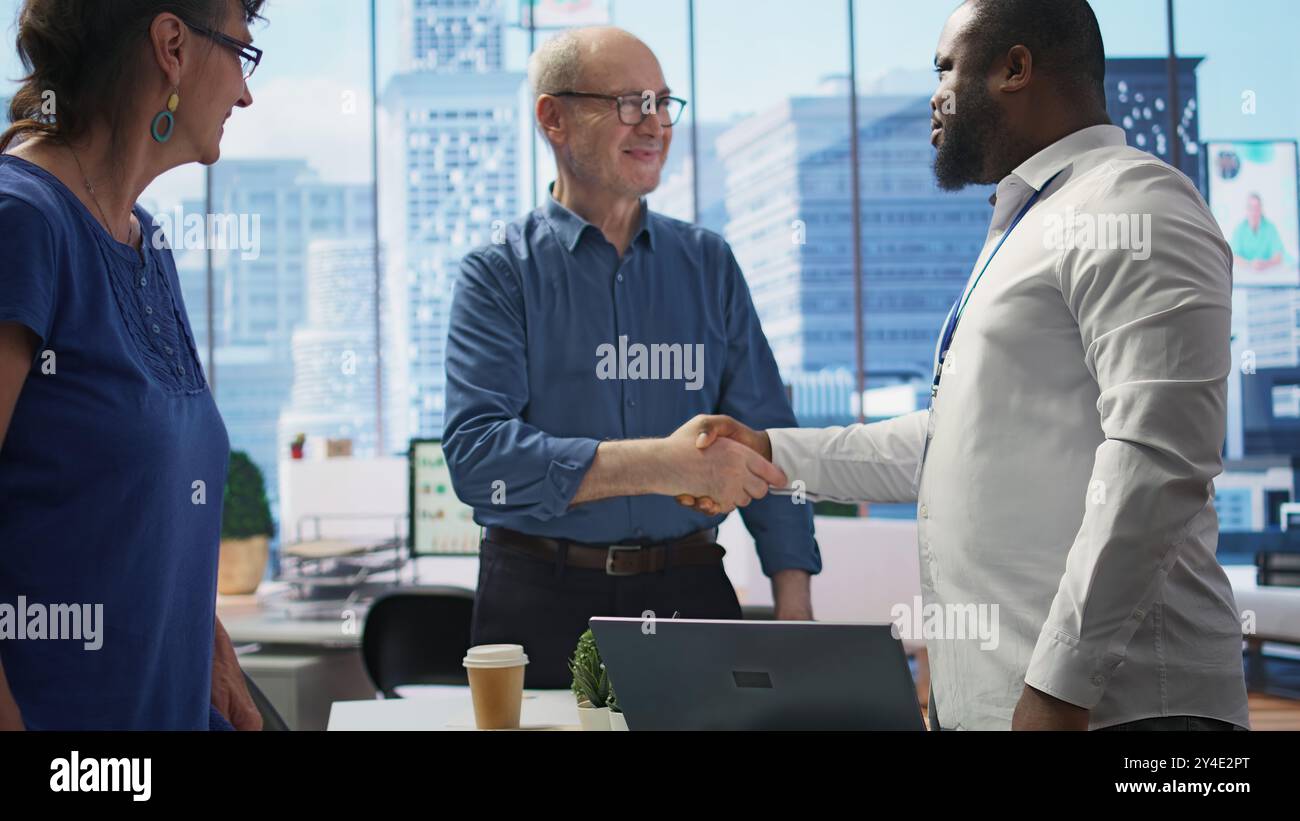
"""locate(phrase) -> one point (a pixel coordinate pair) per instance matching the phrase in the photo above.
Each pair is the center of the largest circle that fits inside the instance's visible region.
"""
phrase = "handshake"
(717, 464)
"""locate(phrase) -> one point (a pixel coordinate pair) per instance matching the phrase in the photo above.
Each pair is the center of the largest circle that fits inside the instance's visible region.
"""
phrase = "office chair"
(417, 636)
(271, 719)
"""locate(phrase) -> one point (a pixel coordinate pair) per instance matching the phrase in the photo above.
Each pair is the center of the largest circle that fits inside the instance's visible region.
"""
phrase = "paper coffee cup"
(496, 683)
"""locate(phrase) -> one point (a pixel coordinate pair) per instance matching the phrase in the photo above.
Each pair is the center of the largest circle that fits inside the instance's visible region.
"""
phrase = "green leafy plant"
(590, 680)
(245, 511)
(611, 701)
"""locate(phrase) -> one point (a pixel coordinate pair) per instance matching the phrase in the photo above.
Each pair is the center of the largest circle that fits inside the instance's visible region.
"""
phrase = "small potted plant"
(246, 528)
(590, 684)
(617, 721)
(295, 447)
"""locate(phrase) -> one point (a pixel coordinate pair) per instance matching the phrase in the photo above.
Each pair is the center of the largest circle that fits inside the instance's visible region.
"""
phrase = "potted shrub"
(246, 528)
(295, 447)
(590, 684)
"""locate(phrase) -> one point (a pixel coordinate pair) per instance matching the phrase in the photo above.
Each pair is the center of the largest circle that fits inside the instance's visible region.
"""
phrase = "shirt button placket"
(923, 533)
(624, 389)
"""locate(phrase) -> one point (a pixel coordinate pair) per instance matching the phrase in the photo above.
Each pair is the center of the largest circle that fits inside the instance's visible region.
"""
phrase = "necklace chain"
(130, 227)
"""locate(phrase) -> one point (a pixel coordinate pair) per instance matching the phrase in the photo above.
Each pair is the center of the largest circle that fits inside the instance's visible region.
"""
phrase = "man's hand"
(729, 474)
(708, 429)
(229, 693)
(1037, 710)
(711, 428)
(681, 463)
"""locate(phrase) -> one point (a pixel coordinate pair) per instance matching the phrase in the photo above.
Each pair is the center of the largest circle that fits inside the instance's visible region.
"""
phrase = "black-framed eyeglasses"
(249, 55)
(632, 108)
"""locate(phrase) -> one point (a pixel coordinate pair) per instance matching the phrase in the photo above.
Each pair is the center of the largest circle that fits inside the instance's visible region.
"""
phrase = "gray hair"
(557, 64)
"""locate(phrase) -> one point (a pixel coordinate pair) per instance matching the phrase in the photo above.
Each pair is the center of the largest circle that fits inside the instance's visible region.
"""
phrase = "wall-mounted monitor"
(440, 524)
(1252, 191)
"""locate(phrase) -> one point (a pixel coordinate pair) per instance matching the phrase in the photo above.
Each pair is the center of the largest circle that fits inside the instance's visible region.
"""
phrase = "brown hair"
(86, 52)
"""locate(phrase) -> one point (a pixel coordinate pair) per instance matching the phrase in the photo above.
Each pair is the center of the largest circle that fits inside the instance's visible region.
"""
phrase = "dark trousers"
(545, 606)
(1176, 723)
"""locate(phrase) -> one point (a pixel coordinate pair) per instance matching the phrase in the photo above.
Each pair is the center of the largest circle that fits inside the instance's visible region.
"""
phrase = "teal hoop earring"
(169, 117)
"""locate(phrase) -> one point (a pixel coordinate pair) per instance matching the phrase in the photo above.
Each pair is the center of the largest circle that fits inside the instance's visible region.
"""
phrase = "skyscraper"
(260, 287)
(789, 213)
(451, 36)
(1138, 100)
(789, 204)
(451, 131)
(674, 194)
(333, 351)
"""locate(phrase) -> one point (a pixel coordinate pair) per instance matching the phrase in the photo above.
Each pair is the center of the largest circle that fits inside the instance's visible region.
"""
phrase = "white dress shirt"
(1064, 471)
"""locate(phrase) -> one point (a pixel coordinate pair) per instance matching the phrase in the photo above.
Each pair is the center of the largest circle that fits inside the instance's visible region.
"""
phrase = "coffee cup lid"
(495, 655)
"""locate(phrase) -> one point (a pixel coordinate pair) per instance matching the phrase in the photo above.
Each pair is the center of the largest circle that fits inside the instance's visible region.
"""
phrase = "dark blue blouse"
(111, 475)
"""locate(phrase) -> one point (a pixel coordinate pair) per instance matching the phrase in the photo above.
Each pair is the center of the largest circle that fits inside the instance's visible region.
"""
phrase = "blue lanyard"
(959, 307)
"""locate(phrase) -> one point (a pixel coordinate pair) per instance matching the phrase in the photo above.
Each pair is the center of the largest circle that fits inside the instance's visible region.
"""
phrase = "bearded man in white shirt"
(1064, 469)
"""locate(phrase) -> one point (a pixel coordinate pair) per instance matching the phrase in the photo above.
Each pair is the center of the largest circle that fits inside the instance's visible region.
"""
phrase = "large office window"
(775, 179)
(919, 243)
(318, 329)
(1246, 70)
(293, 314)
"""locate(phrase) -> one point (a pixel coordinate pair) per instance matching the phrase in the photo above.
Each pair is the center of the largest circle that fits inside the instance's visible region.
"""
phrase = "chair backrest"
(272, 721)
(418, 635)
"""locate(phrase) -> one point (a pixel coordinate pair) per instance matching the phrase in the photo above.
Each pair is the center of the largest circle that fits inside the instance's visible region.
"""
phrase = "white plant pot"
(617, 721)
(593, 718)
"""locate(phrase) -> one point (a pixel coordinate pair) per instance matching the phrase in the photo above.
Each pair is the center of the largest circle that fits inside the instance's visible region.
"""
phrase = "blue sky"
(750, 52)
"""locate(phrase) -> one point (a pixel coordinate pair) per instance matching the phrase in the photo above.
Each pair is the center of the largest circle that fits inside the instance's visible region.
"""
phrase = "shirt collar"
(1038, 169)
(569, 227)
(1041, 167)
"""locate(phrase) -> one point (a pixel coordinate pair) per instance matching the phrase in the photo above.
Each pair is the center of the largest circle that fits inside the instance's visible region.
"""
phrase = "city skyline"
(454, 150)
(330, 100)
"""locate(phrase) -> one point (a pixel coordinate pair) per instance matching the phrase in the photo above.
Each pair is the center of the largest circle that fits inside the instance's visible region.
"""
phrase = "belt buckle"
(609, 558)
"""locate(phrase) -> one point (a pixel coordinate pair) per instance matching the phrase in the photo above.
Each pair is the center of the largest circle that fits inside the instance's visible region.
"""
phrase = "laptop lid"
(694, 674)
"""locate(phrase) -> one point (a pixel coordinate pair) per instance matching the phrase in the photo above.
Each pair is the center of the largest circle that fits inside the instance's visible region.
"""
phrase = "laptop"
(696, 674)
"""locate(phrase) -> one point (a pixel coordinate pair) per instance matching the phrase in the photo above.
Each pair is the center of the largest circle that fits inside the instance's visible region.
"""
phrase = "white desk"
(1276, 609)
(432, 707)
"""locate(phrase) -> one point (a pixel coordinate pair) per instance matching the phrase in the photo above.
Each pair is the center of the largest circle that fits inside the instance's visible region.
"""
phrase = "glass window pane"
(920, 243)
(775, 180)
(452, 129)
(292, 247)
(1247, 69)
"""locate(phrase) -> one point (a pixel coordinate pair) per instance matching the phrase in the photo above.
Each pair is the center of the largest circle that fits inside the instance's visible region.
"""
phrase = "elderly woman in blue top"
(576, 348)
(112, 453)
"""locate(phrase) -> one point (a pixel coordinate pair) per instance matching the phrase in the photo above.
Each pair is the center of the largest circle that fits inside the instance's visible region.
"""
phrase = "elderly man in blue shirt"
(578, 348)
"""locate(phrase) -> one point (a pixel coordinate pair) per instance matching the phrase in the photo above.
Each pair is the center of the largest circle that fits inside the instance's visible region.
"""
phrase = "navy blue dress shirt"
(543, 363)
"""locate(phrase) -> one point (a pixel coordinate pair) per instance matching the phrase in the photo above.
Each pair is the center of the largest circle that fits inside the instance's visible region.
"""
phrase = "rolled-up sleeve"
(753, 393)
(497, 460)
(1154, 323)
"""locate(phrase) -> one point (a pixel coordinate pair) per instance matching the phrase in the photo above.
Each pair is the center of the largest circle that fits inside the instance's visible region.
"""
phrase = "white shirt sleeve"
(1155, 326)
(858, 463)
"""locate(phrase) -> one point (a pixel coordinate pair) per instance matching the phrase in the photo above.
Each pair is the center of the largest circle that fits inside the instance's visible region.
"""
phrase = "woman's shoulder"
(26, 199)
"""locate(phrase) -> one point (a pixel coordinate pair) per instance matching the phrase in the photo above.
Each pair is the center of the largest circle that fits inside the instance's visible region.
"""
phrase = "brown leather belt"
(700, 548)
